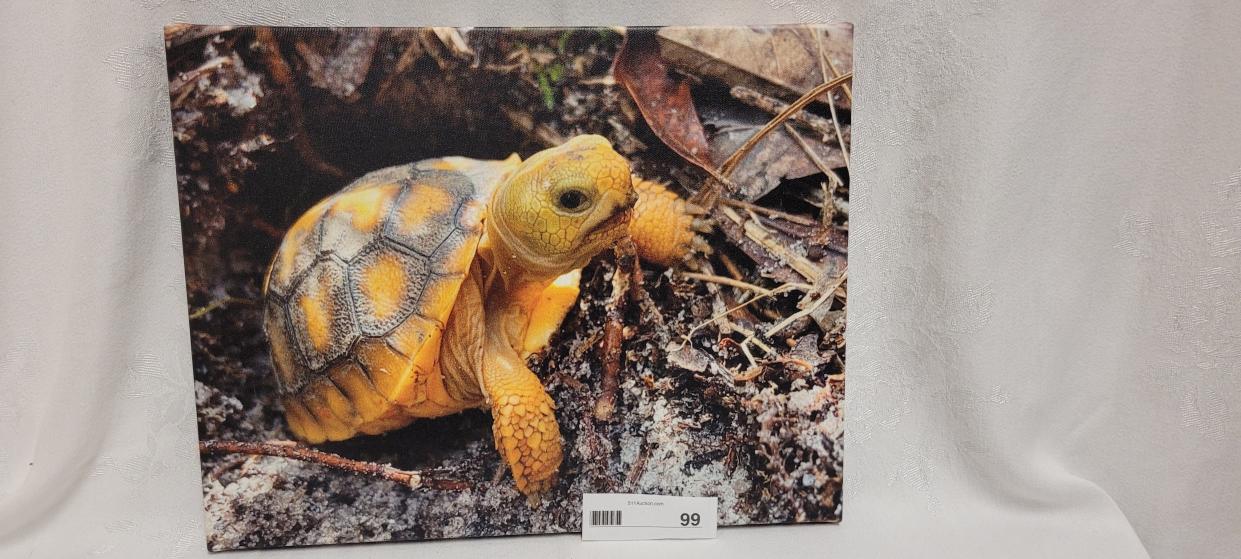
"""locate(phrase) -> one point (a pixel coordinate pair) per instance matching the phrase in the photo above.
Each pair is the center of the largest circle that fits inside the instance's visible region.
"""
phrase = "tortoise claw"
(665, 227)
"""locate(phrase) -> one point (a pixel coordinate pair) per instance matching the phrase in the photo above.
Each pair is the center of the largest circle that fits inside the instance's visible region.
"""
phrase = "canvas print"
(443, 281)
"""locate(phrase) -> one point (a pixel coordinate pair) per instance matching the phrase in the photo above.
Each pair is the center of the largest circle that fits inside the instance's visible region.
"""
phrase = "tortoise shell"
(357, 296)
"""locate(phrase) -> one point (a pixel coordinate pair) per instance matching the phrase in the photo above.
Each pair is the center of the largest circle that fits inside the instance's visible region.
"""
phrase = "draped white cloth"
(1045, 276)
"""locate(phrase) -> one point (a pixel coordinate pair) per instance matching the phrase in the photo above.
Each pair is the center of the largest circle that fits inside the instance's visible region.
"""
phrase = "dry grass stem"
(219, 303)
(805, 147)
(818, 39)
(759, 234)
(775, 106)
(782, 289)
(731, 163)
(768, 211)
(738, 283)
(827, 295)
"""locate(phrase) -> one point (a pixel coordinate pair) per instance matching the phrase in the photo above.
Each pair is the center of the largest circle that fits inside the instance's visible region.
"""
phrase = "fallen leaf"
(775, 158)
(805, 353)
(767, 264)
(782, 61)
(340, 67)
(663, 98)
(689, 358)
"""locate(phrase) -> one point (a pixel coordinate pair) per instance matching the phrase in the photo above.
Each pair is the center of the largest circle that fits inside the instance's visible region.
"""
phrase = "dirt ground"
(267, 124)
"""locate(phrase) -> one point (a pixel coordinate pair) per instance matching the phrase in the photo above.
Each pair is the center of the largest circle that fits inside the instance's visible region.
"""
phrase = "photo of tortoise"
(442, 282)
(419, 291)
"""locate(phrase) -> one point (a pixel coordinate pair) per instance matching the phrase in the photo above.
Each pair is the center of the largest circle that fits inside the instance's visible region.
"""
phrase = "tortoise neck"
(511, 291)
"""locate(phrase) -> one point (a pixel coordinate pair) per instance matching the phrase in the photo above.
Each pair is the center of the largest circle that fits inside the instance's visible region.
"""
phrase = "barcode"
(605, 518)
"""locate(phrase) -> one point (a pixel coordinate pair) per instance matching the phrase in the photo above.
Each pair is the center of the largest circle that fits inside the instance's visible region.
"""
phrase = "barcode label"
(647, 517)
(605, 518)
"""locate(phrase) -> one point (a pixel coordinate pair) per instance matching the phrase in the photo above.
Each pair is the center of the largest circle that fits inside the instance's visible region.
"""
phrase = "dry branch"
(410, 478)
(613, 329)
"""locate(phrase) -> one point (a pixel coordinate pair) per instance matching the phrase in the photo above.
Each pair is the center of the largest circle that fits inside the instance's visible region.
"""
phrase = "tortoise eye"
(572, 199)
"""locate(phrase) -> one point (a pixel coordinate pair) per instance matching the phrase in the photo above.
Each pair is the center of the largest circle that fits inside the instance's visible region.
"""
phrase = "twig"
(282, 74)
(827, 295)
(769, 211)
(451, 37)
(840, 138)
(805, 147)
(179, 34)
(186, 78)
(731, 266)
(639, 466)
(412, 52)
(202, 311)
(831, 101)
(828, 209)
(539, 131)
(638, 293)
(614, 332)
(818, 39)
(741, 284)
(729, 164)
(745, 349)
(749, 375)
(776, 106)
(759, 234)
(613, 335)
(726, 281)
(751, 337)
(410, 478)
(783, 288)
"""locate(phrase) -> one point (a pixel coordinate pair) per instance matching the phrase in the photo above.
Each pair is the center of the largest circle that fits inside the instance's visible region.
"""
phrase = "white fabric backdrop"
(1045, 310)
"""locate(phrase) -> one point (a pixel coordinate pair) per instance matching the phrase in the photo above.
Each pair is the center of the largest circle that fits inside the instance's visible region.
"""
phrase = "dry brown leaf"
(775, 158)
(663, 99)
(687, 357)
(781, 61)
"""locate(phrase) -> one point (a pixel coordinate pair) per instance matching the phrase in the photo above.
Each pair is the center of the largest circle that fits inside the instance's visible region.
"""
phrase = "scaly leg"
(664, 226)
(523, 421)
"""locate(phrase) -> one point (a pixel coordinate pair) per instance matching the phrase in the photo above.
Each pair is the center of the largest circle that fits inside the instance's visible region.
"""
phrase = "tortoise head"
(563, 205)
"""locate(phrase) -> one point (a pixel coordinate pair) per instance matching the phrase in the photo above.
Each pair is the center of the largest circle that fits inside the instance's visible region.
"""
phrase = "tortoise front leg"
(665, 227)
(523, 422)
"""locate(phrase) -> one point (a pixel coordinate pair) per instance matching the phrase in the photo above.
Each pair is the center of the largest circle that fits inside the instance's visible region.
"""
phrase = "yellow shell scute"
(334, 428)
(297, 250)
(367, 402)
(424, 217)
(340, 404)
(301, 423)
(354, 218)
(386, 368)
(284, 360)
(383, 283)
(365, 207)
(318, 323)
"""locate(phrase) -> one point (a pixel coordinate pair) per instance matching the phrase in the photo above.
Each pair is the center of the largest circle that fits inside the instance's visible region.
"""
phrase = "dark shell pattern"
(363, 263)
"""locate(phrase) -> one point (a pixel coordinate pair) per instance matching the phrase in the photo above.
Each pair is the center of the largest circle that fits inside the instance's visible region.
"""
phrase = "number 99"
(690, 519)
